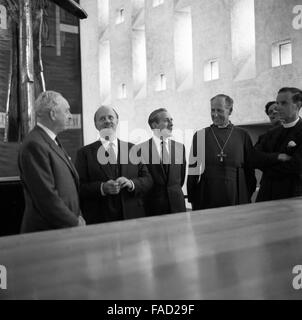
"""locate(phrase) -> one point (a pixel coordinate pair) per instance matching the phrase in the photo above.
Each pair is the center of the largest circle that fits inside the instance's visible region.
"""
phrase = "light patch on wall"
(211, 70)
(105, 72)
(139, 62)
(161, 83)
(103, 19)
(243, 39)
(183, 51)
(157, 3)
(282, 53)
(3, 17)
(120, 16)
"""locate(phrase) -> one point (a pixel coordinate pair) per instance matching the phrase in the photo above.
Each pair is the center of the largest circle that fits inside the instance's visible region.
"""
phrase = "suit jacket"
(97, 208)
(166, 196)
(280, 180)
(50, 184)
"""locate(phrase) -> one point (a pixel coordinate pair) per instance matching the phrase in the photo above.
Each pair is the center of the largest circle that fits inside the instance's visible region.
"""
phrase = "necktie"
(61, 147)
(165, 159)
(111, 154)
(58, 142)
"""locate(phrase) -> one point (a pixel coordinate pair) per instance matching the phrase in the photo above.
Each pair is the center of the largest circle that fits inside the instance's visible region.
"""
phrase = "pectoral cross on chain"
(221, 155)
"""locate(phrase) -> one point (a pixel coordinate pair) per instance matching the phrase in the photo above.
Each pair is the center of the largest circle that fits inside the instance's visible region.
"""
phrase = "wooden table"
(244, 252)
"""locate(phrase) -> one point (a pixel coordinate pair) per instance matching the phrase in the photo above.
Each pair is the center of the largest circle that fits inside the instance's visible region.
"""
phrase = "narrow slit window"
(282, 53)
(120, 16)
(211, 70)
(162, 82)
(157, 3)
(123, 91)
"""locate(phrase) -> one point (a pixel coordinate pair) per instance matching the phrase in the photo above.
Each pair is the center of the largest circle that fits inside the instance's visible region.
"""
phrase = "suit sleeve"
(248, 167)
(183, 167)
(192, 170)
(88, 189)
(291, 167)
(36, 171)
(143, 182)
(261, 158)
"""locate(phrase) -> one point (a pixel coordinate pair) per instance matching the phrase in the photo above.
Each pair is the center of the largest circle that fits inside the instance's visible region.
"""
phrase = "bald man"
(50, 180)
(112, 187)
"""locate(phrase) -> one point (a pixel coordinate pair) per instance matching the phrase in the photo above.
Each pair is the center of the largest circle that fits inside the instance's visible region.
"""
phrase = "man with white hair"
(50, 180)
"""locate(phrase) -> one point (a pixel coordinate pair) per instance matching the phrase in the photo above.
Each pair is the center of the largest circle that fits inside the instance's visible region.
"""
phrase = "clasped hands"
(113, 187)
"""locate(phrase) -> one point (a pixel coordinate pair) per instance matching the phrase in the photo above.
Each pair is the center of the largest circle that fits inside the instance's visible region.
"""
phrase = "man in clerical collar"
(221, 109)
(279, 153)
(226, 177)
(166, 163)
(111, 186)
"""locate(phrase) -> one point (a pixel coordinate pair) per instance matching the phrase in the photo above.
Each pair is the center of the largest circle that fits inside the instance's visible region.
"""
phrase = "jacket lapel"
(61, 153)
(155, 159)
(123, 156)
(290, 137)
(104, 168)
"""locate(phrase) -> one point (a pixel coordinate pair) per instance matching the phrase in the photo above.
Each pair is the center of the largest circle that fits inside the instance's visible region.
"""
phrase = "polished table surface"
(244, 252)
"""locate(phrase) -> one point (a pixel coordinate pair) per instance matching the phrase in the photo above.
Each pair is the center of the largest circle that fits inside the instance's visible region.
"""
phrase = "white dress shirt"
(106, 144)
(114, 143)
(158, 142)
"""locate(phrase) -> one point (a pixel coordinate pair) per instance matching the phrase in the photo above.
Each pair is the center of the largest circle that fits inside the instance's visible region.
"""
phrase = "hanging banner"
(5, 38)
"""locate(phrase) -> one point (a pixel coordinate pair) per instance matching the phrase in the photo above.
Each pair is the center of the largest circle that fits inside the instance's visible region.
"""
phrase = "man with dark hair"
(222, 151)
(111, 186)
(166, 162)
(50, 181)
(279, 153)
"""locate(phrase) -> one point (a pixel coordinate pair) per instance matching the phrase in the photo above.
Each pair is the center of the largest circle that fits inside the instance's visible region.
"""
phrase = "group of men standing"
(116, 180)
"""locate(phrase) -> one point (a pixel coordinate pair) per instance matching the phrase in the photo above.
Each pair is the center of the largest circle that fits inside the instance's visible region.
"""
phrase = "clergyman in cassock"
(279, 152)
(226, 176)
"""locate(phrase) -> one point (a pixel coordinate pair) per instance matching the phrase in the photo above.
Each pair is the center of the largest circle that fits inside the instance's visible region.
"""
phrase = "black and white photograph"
(151, 153)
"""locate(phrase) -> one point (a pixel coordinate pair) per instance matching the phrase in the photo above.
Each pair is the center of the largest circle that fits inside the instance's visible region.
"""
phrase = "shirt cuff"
(132, 187)
(102, 191)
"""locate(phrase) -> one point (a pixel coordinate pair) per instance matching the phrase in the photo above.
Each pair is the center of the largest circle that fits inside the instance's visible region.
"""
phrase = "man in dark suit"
(49, 178)
(112, 187)
(279, 153)
(166, 161)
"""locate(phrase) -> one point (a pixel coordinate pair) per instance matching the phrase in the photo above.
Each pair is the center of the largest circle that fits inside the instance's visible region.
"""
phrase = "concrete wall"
(212, 38)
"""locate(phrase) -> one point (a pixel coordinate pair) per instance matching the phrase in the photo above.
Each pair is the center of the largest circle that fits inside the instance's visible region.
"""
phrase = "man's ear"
(52, 114)
(231, 111)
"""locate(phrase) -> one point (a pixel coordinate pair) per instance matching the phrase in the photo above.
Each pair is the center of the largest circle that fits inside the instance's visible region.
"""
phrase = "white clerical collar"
(50, 133)
(224, 126)
(290, 125)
